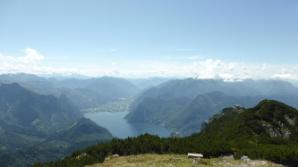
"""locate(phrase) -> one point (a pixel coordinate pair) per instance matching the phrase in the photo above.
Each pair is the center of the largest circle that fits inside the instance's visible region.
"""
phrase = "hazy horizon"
(229, 40)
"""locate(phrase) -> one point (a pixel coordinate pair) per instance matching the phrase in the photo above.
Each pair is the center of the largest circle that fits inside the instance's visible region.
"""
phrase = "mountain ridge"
(214, 95)
(36, 127)
(229, 132)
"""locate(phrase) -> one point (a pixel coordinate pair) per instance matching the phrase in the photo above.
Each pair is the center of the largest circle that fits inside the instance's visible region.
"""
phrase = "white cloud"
(286, 74)
(31, 55)
(195, 66)
(27, 63)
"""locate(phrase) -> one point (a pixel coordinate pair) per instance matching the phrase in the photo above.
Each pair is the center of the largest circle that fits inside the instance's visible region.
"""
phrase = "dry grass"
(174, 160)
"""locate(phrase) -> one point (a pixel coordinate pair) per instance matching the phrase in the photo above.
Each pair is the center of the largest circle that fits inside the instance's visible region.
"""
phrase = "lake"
(121, 128)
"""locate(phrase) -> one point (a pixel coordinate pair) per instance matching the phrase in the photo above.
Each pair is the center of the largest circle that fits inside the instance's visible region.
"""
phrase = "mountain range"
(42, 119)
(52, 125)
(266, 131)
(83, 93)
(183, 105)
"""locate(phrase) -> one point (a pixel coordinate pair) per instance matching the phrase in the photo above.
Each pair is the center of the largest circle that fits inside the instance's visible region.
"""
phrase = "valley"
(184, 105)
(49, 118)
(266, 131)
(119, 127)
(148, 83)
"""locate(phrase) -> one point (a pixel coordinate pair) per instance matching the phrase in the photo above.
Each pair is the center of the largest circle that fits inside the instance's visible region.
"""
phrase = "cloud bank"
(27, 63)
(195, 66)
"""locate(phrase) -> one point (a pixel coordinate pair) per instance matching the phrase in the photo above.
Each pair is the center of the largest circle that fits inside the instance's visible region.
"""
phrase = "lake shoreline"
(119, 127)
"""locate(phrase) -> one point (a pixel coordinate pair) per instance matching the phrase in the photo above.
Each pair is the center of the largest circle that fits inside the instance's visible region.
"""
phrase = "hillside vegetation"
(39, 128)
(175, 160)
(267, 131)
(183, 105)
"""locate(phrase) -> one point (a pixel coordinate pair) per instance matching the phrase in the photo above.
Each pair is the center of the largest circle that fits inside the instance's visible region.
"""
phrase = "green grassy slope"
(176, 160)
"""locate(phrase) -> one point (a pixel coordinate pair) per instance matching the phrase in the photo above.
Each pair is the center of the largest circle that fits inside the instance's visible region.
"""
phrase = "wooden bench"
(194, 155)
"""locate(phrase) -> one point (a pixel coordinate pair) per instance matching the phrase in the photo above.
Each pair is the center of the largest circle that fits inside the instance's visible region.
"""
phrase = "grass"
(174, 160)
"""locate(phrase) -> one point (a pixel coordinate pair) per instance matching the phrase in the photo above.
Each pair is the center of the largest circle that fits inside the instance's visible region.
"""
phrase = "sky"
(226, 39)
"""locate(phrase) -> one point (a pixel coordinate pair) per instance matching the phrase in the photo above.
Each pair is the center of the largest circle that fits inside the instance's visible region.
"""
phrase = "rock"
(115, 155)
(229, 157)
(81, 156)
(245, 158)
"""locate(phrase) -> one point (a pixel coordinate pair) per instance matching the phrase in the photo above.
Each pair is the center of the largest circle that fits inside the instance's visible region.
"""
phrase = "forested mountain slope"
(267, 131)
(185, 104)
(37, 127)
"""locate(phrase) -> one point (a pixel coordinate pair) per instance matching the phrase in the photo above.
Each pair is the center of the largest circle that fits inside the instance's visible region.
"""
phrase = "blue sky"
(125, 33)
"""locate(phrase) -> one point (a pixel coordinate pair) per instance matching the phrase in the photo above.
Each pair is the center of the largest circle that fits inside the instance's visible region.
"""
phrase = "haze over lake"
(116, 123)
